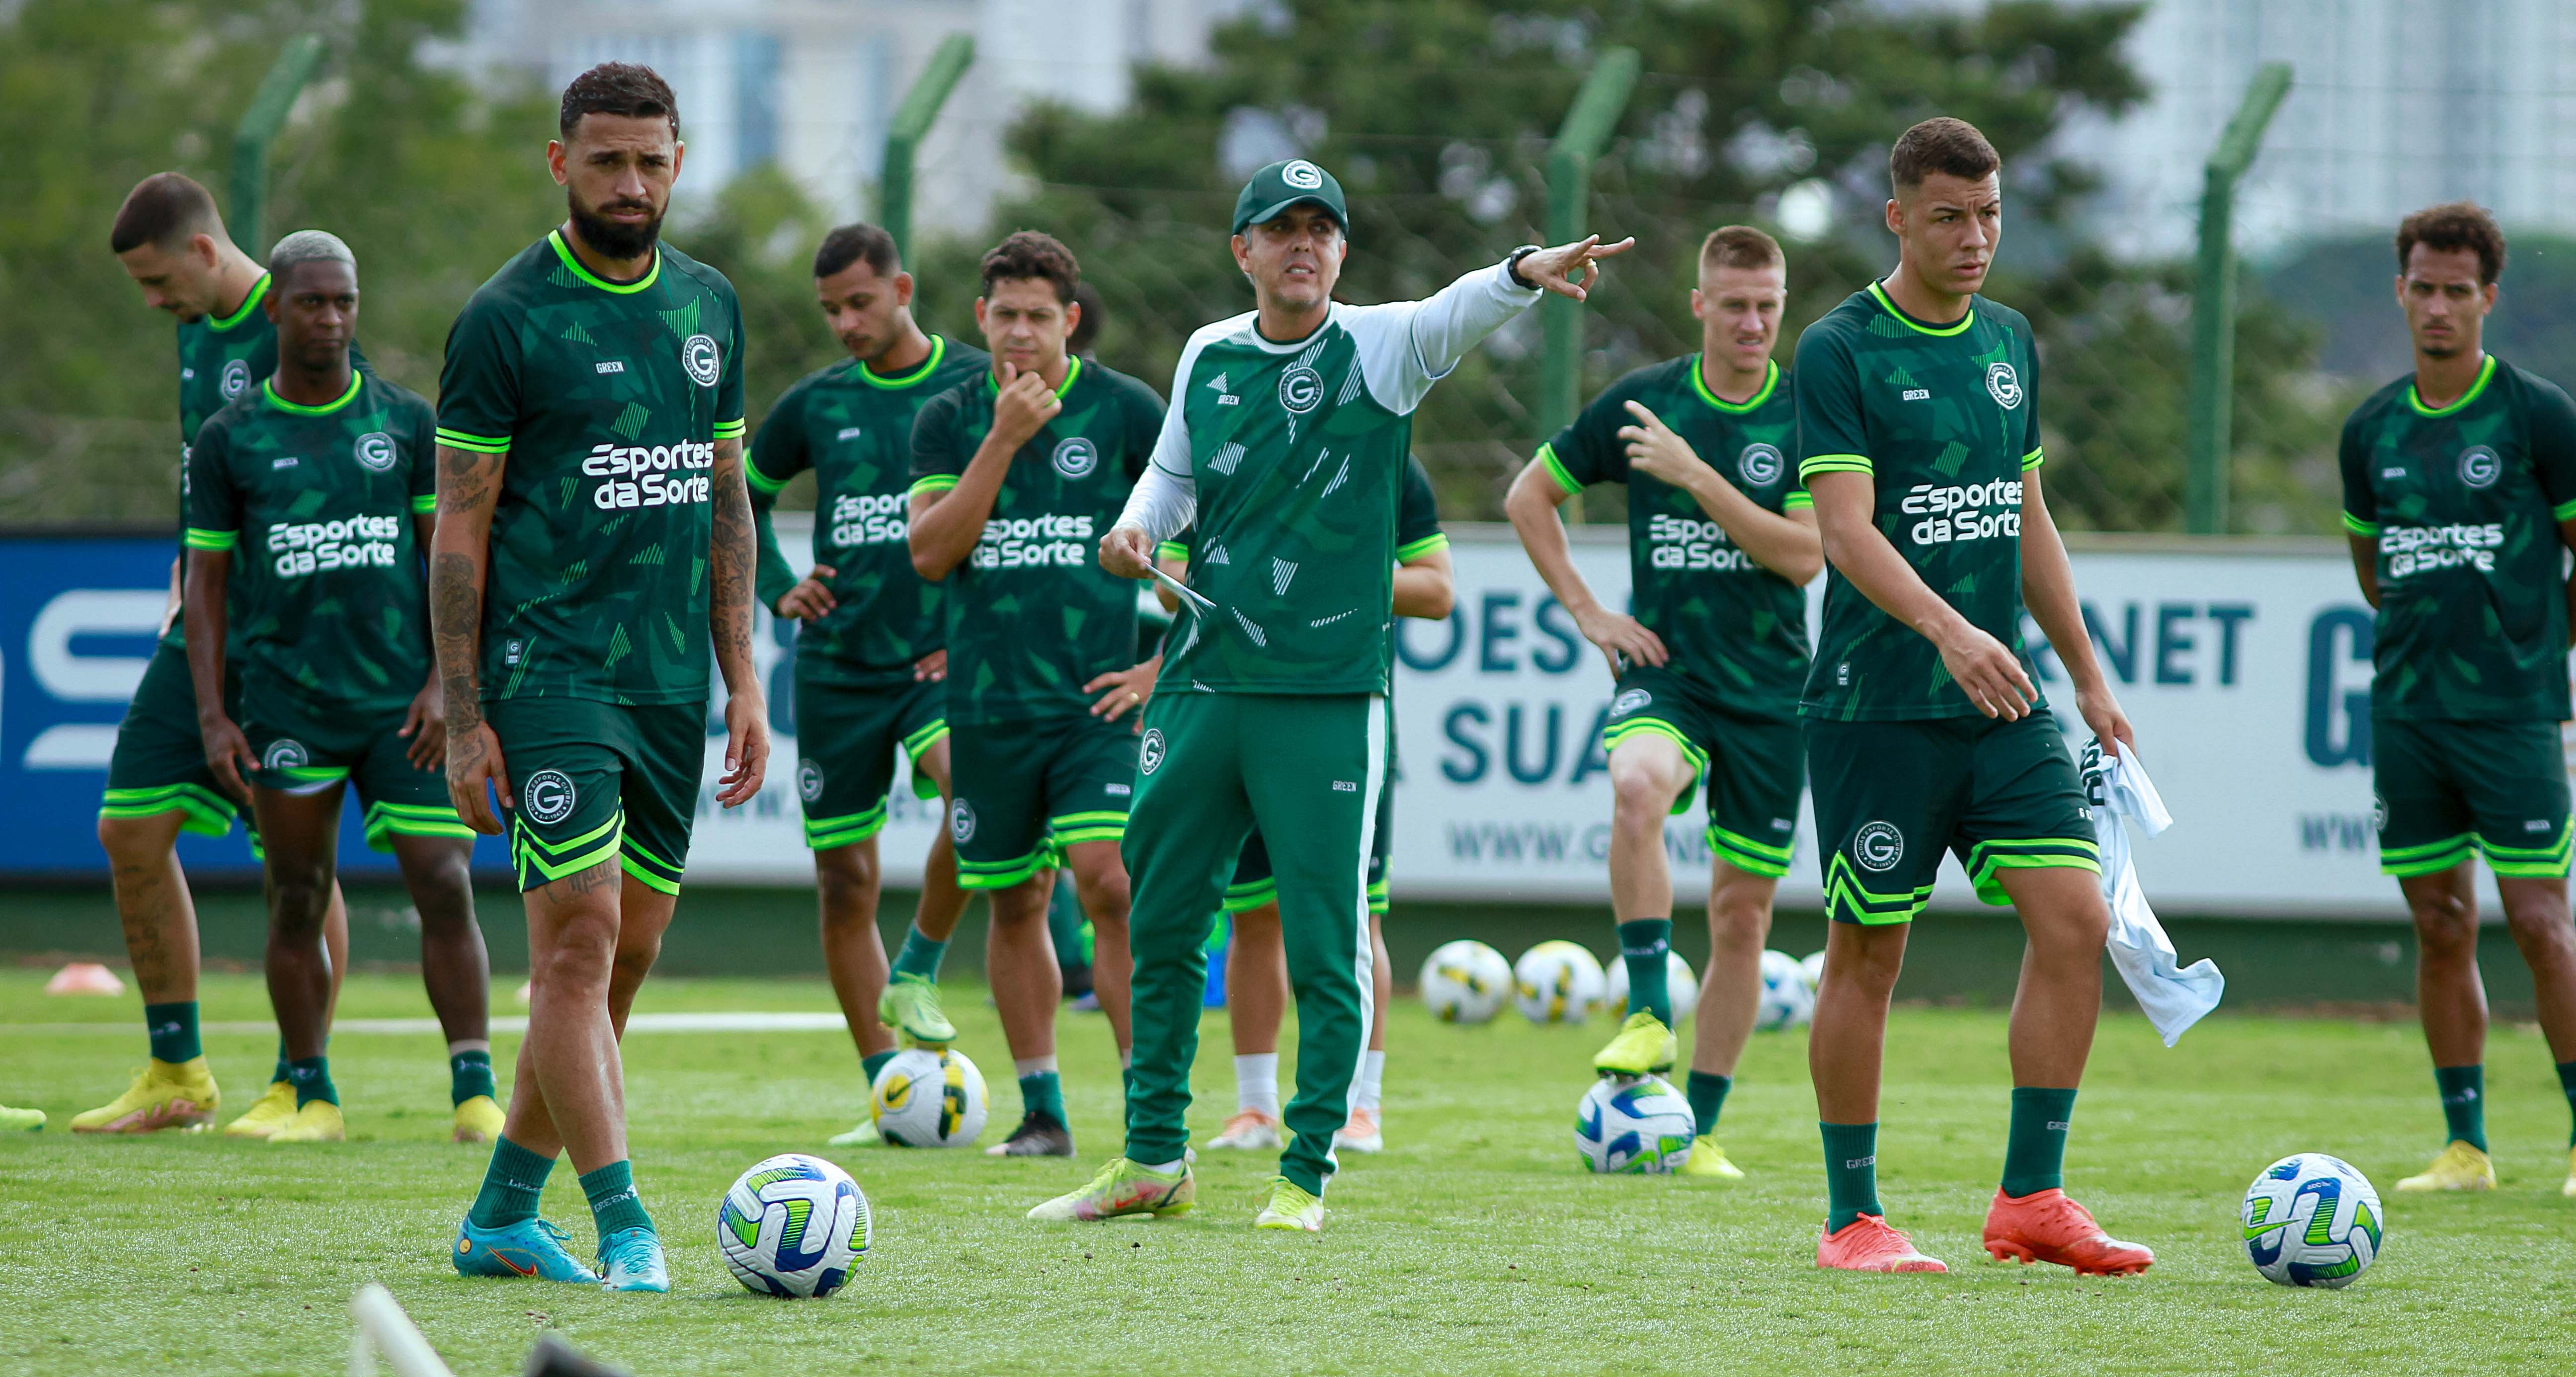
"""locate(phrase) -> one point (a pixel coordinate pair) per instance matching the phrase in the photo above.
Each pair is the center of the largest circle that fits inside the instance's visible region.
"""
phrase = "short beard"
(611, 238)
(2437, 351)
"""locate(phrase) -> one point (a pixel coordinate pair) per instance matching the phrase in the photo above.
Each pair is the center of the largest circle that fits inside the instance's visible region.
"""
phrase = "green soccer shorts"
(1892, 796)
(1022, 792)
(2446, 789)
(846, 739)
(600, 780)
(303, 748)
(159, 762)
(1755, 768)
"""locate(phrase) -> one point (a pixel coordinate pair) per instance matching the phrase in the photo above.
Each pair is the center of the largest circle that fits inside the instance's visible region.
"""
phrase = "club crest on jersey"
(235, 380)
(698, 355)
(961, 821)
(1075, 456)
(2378, 813)
(2480, 466)
(809, 781)
(1150, 752)
(285, 753)
(1629, 702)
(548, 796)
(1303, 175)
(2003, 385)
(376, 450)
(1878, 846)
(1761, 464)
(1300, 387)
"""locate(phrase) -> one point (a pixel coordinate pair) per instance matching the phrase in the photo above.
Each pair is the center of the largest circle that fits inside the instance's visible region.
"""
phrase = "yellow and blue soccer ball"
(2311, 1220)
(793, 1225)
(1556, 982)
(1633, 1125)
(1465, 982)
(929, 1099)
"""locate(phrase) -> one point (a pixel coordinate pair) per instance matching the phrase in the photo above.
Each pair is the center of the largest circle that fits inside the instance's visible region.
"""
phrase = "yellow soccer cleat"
(865, 1135)
(163, 1095)
(2461, 1167)
(1291, 1207)
(319, 1121)
(1708, 1159)
(268, 1113)
(20, 1120)
(478, 1120)
(1123, 1188)
(1644, 1047)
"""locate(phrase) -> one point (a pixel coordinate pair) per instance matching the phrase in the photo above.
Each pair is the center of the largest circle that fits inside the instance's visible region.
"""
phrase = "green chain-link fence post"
(2213, 304)
(912, 121)
(1587, 127)
(258, 129)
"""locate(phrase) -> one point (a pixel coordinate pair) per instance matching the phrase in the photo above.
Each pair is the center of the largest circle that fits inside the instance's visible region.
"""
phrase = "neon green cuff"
(1556, 469)
(197, 539)
(2360, 527)
(480, 444)
(1833, 463)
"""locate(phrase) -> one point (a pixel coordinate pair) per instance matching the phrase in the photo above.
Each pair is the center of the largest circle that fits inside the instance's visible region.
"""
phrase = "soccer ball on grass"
(1633, 1125)
(1466, 982)
(2311, 1220)
(1556, 982)
(792, 1226)
(929, 1099)
(1787, 1000)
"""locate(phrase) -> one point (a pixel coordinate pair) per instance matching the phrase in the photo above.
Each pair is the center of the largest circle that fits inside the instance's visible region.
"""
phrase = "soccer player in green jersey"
(1015, 473)
(1284, 452)
(316, 479)
(1721, 541)
(2459, 494)
(594, 551)
(869, 657)
(170, 240)
(1918, 436)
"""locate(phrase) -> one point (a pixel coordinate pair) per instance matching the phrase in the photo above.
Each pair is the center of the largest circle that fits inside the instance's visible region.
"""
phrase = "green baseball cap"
(1283, 184)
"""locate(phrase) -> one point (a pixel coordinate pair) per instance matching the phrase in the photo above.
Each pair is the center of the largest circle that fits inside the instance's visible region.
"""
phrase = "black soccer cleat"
(1037, 1136)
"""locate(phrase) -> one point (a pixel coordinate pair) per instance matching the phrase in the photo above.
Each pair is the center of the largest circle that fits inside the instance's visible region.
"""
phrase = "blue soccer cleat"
(632, 1261)
(532, 1248)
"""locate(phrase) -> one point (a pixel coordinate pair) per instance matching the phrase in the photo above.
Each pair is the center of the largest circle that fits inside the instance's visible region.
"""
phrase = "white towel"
(2173, 998)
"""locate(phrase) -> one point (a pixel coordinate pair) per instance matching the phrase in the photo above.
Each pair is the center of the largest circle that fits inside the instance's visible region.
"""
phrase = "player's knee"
(1104, 893)
(847, 877)
(1643, 798)
(2539, 921)
(578, 954)
(634, 960)
(2445, 923)
(133, 841)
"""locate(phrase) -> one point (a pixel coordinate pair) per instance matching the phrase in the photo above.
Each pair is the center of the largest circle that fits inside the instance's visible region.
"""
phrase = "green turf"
(1475, 1244)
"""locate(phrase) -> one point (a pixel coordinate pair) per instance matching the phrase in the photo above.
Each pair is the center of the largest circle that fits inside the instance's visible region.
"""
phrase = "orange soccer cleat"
(1867, 1244)
(2045, 1226)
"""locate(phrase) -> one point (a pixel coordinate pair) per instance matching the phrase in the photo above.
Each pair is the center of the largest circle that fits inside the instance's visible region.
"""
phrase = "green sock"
(1851, 1173)
(1646, 945)
(173, 1029)
(1042, 1092)
(1707, 1095)
(280, 1073)
(511, 1184)
(2464, 1103)
(614, 1205)
(920, 956)
(468, 1074)
(2035, 1154)
(874, 1062)
(311, 1077)
(2567, 1082)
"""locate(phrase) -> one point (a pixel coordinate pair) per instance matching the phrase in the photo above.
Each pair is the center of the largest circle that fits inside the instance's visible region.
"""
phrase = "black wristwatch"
(1512, 265)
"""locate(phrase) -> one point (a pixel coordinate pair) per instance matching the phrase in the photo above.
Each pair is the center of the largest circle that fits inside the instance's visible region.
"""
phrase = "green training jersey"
(317, 505)
(220, 359)
(2465, 503)
(1945, 419)
(609, 399)
(1735, 629)
(1032, 616)
(853, 428)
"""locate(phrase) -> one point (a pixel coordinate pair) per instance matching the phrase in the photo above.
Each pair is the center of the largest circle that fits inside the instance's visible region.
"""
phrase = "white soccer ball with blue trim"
(1814, 966)
(2311, 1220)
(929, 1099)
(1465, 982)
(1787, 1001)
(1637, 1126)
(1678, 979)
(1556, 982)
(793, 1225)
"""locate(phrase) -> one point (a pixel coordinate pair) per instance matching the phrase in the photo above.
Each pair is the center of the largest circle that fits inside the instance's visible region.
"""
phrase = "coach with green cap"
(1284, 452)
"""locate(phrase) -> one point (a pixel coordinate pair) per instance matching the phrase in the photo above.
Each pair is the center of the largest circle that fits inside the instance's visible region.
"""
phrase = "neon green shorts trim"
(846, 740)
(600, 781)
(159, 763)
(1754, 767)
(1025, 790)
(303, 746)
(2448, 790)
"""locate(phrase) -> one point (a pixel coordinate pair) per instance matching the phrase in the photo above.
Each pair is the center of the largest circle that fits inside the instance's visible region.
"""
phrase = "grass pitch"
(1475, 1244)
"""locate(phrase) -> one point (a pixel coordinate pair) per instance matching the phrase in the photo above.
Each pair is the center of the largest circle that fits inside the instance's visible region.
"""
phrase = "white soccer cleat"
(1251, 1130)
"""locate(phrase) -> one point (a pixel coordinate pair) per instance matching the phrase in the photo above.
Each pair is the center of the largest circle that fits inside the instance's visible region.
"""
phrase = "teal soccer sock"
(1851, 1173)
(468, 1074)
(1042, 1092)
(872, 1063)
(1646, 946)
(173, 1030)
(614, 1205)
(2464, 1103)
(1707, 1095)
(511, 1184)
(2567, 1082)
(2035, 1154)
(311, 1077)
(920, 956)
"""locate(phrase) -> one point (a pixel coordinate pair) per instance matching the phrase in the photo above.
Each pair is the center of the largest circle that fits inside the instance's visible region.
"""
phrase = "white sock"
(1030, 1066)
(1256, 1083)
(1364, 1093)
(1165, 1168)
(469, 1045)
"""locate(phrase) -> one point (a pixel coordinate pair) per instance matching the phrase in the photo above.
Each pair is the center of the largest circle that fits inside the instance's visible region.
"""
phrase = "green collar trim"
(1699, 384)
(570, 260)
(1912, 324)
(1072, 370)
(938, 351)
(249, 304)
(269, 386)
(2415, 399)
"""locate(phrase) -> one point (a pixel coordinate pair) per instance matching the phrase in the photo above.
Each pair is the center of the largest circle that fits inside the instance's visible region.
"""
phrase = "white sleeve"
(1166, 498)
(1406, 346)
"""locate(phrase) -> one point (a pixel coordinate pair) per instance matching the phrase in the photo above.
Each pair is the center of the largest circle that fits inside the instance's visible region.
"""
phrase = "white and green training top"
(1287, 460)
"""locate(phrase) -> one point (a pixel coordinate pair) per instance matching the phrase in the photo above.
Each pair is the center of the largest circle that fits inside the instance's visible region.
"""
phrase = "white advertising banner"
(2244, 667)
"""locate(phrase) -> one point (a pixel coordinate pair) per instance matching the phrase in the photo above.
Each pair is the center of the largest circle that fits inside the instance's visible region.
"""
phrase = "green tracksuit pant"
(1211, 766)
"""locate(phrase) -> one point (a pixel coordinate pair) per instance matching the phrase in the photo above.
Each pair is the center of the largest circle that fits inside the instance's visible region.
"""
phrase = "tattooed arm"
(469, 483)
(733, 562)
